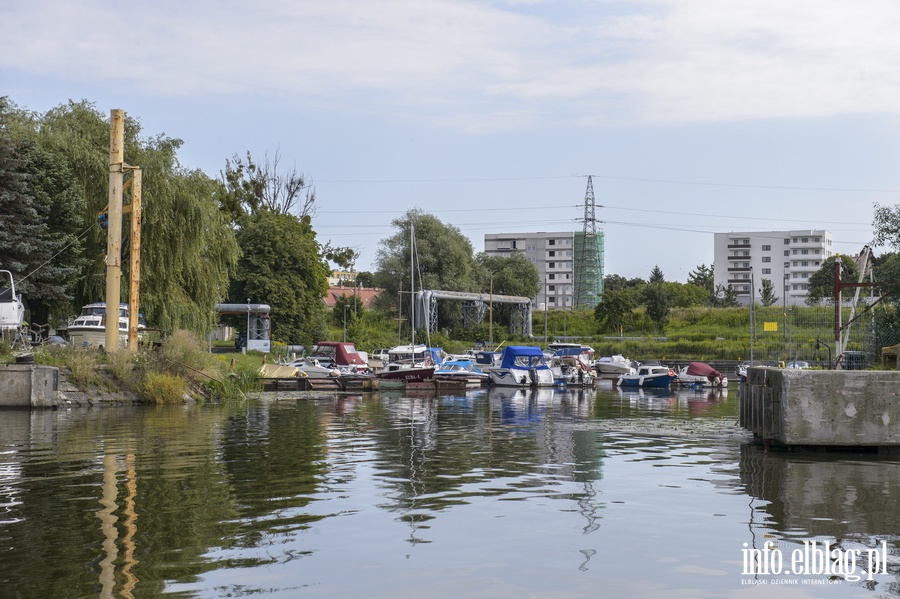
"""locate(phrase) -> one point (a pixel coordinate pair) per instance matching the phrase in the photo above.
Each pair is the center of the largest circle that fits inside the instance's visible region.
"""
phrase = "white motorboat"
(522, 366)
(571, 366)
(89, 327)
(313, 369)
(465, 370)
(12, 310)
(648, 376)
(701, 374)
(611, 367)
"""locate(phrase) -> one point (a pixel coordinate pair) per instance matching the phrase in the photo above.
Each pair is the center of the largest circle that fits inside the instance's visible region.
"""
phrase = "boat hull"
(520, 377)
(407, 374)
(656, 381)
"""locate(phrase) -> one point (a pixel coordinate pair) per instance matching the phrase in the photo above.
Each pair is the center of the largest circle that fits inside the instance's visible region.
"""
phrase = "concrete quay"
(29, 386)
(822, 408)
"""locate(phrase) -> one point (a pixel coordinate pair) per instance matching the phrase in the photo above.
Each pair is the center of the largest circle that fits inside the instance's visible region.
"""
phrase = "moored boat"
(522, 366)
(463, 370)
(571, 366)
(611, 367)
(89, 327)
(648, 376)
(701, 374)
(12, 310)
(341, 355)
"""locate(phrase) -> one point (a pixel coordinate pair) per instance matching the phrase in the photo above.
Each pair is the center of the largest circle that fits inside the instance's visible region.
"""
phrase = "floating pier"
(837, 409)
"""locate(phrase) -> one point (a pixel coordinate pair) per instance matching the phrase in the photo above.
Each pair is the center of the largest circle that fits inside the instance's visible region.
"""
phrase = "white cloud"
(481, 65)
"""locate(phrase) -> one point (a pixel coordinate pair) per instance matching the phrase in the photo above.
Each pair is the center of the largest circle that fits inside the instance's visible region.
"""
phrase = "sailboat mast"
(412, 285)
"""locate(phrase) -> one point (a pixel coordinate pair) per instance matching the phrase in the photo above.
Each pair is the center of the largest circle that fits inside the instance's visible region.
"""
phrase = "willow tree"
(187, 243)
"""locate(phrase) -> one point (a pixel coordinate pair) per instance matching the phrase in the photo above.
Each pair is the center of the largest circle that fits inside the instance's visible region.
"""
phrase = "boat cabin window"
(529, 361)
(6, 294)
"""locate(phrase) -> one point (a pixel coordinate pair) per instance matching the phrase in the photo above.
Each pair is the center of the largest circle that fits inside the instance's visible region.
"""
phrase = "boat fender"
(671, 372)
(641, 381)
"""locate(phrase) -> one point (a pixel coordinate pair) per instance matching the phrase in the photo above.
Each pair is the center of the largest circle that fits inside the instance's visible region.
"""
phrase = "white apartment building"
(786, 258)
(553, 254)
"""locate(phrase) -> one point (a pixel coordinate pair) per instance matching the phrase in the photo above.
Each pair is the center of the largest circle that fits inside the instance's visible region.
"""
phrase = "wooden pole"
(134, 287)
(838, 352)
(114, 232)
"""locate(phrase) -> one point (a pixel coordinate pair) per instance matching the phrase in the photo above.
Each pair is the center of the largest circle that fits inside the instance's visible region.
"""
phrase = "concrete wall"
(822, 407)
(28, 386)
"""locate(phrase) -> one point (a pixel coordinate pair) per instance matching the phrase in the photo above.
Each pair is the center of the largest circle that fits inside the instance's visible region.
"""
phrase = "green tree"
(821, 283)
(443, 260)
(704, 277)
(887, 273)
(767, 295)
(656, 298)
(686, 295)
(281, 266)
(187, 244)
(250, 186)
(725, 297)
(510, 275)
(22, 219)
(615, 310)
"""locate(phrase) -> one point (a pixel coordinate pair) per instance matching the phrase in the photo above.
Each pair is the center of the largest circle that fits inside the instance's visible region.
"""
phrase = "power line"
(613, 178)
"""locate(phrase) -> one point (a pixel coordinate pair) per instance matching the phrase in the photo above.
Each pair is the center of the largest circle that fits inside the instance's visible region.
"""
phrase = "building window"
(551, 242)
(787, 252)
(551, 288)
(767, 248)
(805, 263)
(796, 252)
(551, 277)
(551, 265)
(805, 252)
(767, 258)
(746, 287)
(551, 300)
(787, 241)
(767, 271)
(806, 240)
(818, 239)
(551, 254)
(746, 253)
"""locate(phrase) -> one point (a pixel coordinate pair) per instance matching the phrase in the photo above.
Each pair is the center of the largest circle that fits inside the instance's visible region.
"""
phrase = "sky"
(691, 117)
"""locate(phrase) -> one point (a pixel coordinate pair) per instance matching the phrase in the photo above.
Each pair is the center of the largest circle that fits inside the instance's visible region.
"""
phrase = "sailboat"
(403, 363)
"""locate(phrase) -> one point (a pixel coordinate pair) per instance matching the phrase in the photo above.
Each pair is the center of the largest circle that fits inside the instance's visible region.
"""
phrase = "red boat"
(341, 355)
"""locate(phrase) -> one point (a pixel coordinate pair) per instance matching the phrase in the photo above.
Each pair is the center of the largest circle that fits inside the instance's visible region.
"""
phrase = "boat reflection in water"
(696, 400)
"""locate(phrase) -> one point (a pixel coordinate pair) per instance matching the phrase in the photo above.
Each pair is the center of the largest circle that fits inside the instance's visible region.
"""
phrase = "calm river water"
(495, 494)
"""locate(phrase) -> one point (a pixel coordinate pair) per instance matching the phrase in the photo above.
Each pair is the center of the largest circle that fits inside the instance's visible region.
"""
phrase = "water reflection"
(503, 493)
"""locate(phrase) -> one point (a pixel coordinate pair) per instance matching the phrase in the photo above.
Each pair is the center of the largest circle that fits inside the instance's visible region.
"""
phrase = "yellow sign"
(770, 326)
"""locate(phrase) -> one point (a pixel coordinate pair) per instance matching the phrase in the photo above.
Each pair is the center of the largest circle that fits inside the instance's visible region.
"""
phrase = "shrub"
(162, 388)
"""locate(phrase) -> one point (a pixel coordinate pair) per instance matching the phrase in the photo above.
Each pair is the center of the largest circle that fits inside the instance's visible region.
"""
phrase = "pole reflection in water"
(500, 493)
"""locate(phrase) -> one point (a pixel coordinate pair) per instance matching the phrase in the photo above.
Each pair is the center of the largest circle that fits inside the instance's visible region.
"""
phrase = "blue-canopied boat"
(463, 370)
(648, 376)
(522, 366)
